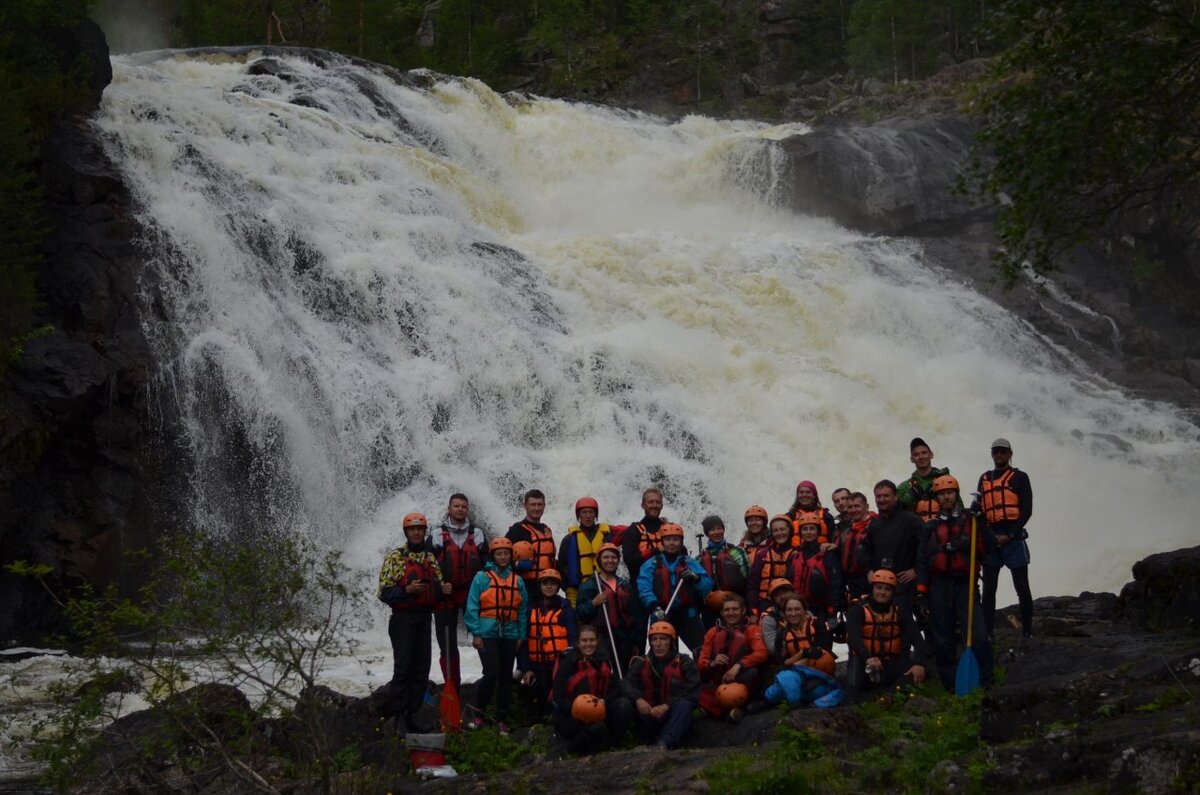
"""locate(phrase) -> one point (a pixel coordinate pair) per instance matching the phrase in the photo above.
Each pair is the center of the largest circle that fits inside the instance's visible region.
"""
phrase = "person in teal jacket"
(657, 582)
(497, 616)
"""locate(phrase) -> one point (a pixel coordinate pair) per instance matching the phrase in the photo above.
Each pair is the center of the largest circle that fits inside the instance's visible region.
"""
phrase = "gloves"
(690, 577)
(814, 653)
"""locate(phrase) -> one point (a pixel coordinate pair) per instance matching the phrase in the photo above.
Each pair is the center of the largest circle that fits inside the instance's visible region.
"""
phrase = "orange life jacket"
(882, 635)
(724, 570)
(949, 563)
(775, 565)
(649, 543)
(501, 600)
(998, 498)
(547, 635)
(659, 692)
(792, 640)
(925, 503)
(543, 549)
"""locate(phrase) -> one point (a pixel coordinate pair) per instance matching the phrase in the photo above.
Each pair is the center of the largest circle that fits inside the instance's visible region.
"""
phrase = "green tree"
(892, 38)
(1093, 112)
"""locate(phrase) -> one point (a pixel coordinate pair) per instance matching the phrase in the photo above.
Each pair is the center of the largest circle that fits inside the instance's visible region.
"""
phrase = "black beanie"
(710, 522)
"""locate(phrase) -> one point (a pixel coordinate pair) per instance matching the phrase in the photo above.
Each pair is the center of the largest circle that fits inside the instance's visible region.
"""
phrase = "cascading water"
(375, 289)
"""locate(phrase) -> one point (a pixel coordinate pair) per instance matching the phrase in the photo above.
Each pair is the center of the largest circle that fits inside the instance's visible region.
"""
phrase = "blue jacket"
(484, 627)
(650, 569)
(800, 684)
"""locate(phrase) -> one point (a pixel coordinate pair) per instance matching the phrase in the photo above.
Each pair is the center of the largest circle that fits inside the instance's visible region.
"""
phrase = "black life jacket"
(724, 570)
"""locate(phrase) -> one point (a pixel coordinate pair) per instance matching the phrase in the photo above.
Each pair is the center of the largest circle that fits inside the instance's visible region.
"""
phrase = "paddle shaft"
(971, 602)
(612, 641)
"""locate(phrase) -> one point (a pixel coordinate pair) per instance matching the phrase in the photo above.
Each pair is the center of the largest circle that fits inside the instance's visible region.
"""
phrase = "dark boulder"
(1165, 592)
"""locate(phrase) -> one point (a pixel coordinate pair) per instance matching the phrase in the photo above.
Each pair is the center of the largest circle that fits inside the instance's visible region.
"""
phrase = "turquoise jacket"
(484, 627)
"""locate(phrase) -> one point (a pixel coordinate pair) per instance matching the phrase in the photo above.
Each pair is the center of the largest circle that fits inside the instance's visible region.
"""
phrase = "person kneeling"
(733, 653)
(589, 708)
(885, 643)
(664, 686)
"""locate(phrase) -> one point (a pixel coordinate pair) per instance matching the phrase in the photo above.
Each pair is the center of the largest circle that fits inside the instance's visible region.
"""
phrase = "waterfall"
(372, 289)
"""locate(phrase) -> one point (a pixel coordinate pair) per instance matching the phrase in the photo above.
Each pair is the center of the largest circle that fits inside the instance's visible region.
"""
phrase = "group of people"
(598, 647)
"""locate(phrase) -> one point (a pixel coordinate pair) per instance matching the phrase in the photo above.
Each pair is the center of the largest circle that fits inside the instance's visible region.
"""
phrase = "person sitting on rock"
(605, 601)
(733, 652)
(807, 664)
(664, 687)
(771, 619)
(552, 631)
(946, 584)
(584, 671)
(886, 647)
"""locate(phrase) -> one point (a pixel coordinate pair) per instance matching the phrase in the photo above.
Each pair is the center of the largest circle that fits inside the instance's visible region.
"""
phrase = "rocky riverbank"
(1102, 697)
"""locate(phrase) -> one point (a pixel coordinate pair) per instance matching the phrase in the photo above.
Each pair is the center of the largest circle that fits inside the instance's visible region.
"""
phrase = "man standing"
(1006, 499)
(410, 582)
(577, 552)
(671, 573)
(916, 493)
(641, 540)
(841, 502)
(539, 535)
(461, 556)
(891, 543)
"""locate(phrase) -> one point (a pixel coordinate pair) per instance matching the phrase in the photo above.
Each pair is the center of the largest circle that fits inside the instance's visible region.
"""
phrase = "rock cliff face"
(85, 473)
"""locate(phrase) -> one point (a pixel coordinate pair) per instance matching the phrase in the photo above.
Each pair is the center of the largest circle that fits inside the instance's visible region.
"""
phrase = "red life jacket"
(590, 678)
(547, 635)
(812, 579)
(419, 568)
(775, 565)
(950, 563)
(999, 500)
(459, 564)
(656, 690)
(501, 600)
(882, 635)
(850, 545)
(543, 549)
(733, 643)
(724, 570)
(664, 586)
(618, 605)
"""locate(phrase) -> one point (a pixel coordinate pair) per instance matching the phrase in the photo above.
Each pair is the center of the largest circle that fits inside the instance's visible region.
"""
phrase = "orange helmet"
(670, 529)
(826, 664)
(550, 574)
(661, 628)
(522, 550)
(608, 546)
(588, 709)
(414, 519)
(756, 510)
(499, 543)
(780, 517)
(715, 599)
(944, 482)
(586, 502)
(884, 576)
(733, 694)
(776, 584)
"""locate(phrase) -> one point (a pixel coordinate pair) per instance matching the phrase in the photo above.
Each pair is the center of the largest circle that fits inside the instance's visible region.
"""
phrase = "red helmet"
(414, 519)
(586, 502)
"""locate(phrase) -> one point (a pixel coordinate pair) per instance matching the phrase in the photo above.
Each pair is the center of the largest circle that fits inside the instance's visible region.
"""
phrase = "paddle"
(966, 678)
(612, 641)
(448, 706)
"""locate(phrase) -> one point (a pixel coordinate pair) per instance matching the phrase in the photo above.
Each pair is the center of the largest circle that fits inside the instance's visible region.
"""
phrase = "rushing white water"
(378, 291)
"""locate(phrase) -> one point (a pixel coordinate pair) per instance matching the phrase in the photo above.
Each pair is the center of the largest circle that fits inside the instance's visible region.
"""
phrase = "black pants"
(893, 673)
(670, 729)
(624, 650)
(498, 655)
(948, 607)
(537, 695)
(618, 714)
(690, 630)
(409, 633)
(1020, 578)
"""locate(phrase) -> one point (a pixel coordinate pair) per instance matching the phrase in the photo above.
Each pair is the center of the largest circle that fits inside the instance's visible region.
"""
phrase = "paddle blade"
(451, 709)
(966, 678)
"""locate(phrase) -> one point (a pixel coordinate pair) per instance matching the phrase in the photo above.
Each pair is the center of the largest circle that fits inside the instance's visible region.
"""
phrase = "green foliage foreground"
(263, 617)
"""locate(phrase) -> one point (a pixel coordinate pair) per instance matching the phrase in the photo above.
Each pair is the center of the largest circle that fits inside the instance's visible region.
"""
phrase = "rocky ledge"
(1103, 697)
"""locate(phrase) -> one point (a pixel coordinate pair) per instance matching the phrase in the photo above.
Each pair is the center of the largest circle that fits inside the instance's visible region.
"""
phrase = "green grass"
(485, 751)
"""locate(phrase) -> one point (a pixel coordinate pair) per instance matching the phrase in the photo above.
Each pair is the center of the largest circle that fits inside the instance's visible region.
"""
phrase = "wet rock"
(1165, 592)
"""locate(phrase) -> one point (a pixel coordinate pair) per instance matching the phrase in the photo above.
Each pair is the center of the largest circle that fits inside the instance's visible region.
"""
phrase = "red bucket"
(426, 750)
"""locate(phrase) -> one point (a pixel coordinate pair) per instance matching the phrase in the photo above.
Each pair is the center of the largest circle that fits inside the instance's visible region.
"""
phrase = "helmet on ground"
(522, 550)
(670, 529)
(715, 599)
(586, 502)
(588, 709)
(733, 694)
(756, 510)
(884, 576)
(608, 546)
(550, 574)
(661, 628)
(826, 664)
(777, 585)
(944, 482)
(498, 544)
(414, 519)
